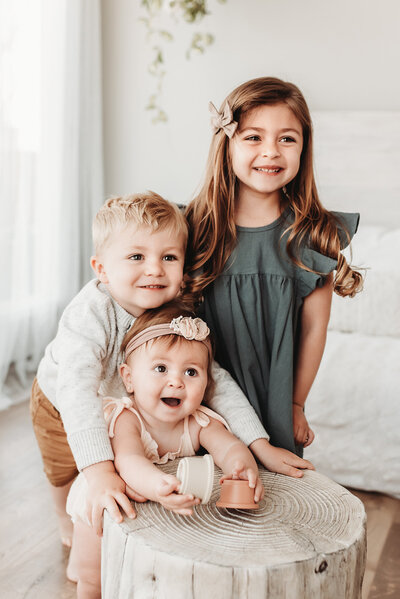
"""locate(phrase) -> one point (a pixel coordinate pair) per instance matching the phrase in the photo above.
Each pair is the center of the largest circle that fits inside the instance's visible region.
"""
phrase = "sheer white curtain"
(51, 178)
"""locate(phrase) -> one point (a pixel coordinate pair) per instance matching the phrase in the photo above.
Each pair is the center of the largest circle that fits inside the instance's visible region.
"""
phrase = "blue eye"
(160, 368)
(136, 257)
(191, 372)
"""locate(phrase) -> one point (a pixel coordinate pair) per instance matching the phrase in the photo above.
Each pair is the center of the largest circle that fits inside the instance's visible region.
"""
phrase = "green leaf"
(166, 35)
(161, 117)
(190, 11)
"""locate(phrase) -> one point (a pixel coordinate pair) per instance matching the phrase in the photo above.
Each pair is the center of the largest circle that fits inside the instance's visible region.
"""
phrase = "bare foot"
(72, 570)
(59, 495)
(66, 528)
(72, 575)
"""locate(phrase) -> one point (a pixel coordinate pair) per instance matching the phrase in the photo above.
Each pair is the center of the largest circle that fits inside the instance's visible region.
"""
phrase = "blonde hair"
(211, 215)
(162, 315)
(143, 209)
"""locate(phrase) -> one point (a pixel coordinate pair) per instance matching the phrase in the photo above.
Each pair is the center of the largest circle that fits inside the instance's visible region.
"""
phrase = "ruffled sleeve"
(347, 226)
(307, 281)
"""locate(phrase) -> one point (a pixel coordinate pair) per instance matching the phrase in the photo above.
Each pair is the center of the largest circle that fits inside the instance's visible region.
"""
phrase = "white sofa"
(354, 404)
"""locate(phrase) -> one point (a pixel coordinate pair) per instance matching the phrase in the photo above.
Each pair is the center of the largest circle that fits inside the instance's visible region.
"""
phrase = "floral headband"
(193, 329)
(223, 120)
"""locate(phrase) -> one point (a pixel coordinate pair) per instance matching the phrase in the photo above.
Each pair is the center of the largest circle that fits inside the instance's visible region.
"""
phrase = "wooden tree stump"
(306, 540)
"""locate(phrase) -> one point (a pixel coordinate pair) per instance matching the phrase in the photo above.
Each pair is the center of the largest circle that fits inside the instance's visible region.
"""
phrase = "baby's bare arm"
(139, 473)
(231, 455)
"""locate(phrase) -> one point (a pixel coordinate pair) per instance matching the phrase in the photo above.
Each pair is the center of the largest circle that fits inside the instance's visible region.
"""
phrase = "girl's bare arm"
(314, 324)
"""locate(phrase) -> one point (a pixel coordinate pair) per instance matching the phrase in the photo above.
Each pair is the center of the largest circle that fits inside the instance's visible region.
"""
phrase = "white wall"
(343, 54)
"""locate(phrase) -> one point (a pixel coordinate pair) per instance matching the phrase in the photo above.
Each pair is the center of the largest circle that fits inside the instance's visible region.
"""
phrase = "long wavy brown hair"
(211, 215)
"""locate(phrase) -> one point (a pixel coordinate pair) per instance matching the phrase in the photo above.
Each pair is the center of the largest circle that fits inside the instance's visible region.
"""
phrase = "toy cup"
(197, 476)
(237, 494)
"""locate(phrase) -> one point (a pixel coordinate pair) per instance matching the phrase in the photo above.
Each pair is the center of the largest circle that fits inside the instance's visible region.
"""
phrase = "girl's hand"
(279, 460)
(303, 434)
(167, 495)
(240, 472)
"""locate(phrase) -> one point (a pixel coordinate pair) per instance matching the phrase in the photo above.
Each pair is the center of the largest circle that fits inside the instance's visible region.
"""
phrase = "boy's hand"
(240, 472)
(303, 434)
(279, 460)
(106, 490)
(167, 494)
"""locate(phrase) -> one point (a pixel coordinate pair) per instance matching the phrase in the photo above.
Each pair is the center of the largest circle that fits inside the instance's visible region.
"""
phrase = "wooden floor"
(32, 560)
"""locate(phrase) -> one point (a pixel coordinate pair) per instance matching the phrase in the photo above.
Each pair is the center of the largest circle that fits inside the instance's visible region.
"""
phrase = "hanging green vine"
(190, 11)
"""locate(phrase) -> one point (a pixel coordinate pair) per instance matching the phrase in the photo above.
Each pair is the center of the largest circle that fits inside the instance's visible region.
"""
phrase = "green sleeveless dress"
(253, 310)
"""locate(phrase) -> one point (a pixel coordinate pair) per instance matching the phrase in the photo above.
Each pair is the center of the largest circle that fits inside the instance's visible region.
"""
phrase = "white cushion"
(376, 310)
(353, 408)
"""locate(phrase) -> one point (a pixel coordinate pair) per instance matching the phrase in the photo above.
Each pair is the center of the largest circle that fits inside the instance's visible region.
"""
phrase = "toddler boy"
(140, 244)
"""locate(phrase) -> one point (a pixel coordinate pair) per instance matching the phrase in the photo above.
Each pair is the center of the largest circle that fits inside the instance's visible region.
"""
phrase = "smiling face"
(141, 268)
(168, 382)
(266, 150)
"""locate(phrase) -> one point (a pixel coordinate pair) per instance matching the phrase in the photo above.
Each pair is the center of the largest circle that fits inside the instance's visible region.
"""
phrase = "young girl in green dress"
(263, 251)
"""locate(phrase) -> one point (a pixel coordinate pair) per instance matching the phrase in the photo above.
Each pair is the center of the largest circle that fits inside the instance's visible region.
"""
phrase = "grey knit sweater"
(81, 364)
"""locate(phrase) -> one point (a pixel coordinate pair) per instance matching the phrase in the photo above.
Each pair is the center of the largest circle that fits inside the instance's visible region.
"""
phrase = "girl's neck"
(258, 210)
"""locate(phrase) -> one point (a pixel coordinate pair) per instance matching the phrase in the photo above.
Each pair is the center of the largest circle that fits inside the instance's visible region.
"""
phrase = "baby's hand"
(241, 472)
(132, 494)
(167, 494)
(303, 434)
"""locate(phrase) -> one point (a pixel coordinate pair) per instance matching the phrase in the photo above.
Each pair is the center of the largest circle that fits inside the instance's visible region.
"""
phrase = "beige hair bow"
(223, 120)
